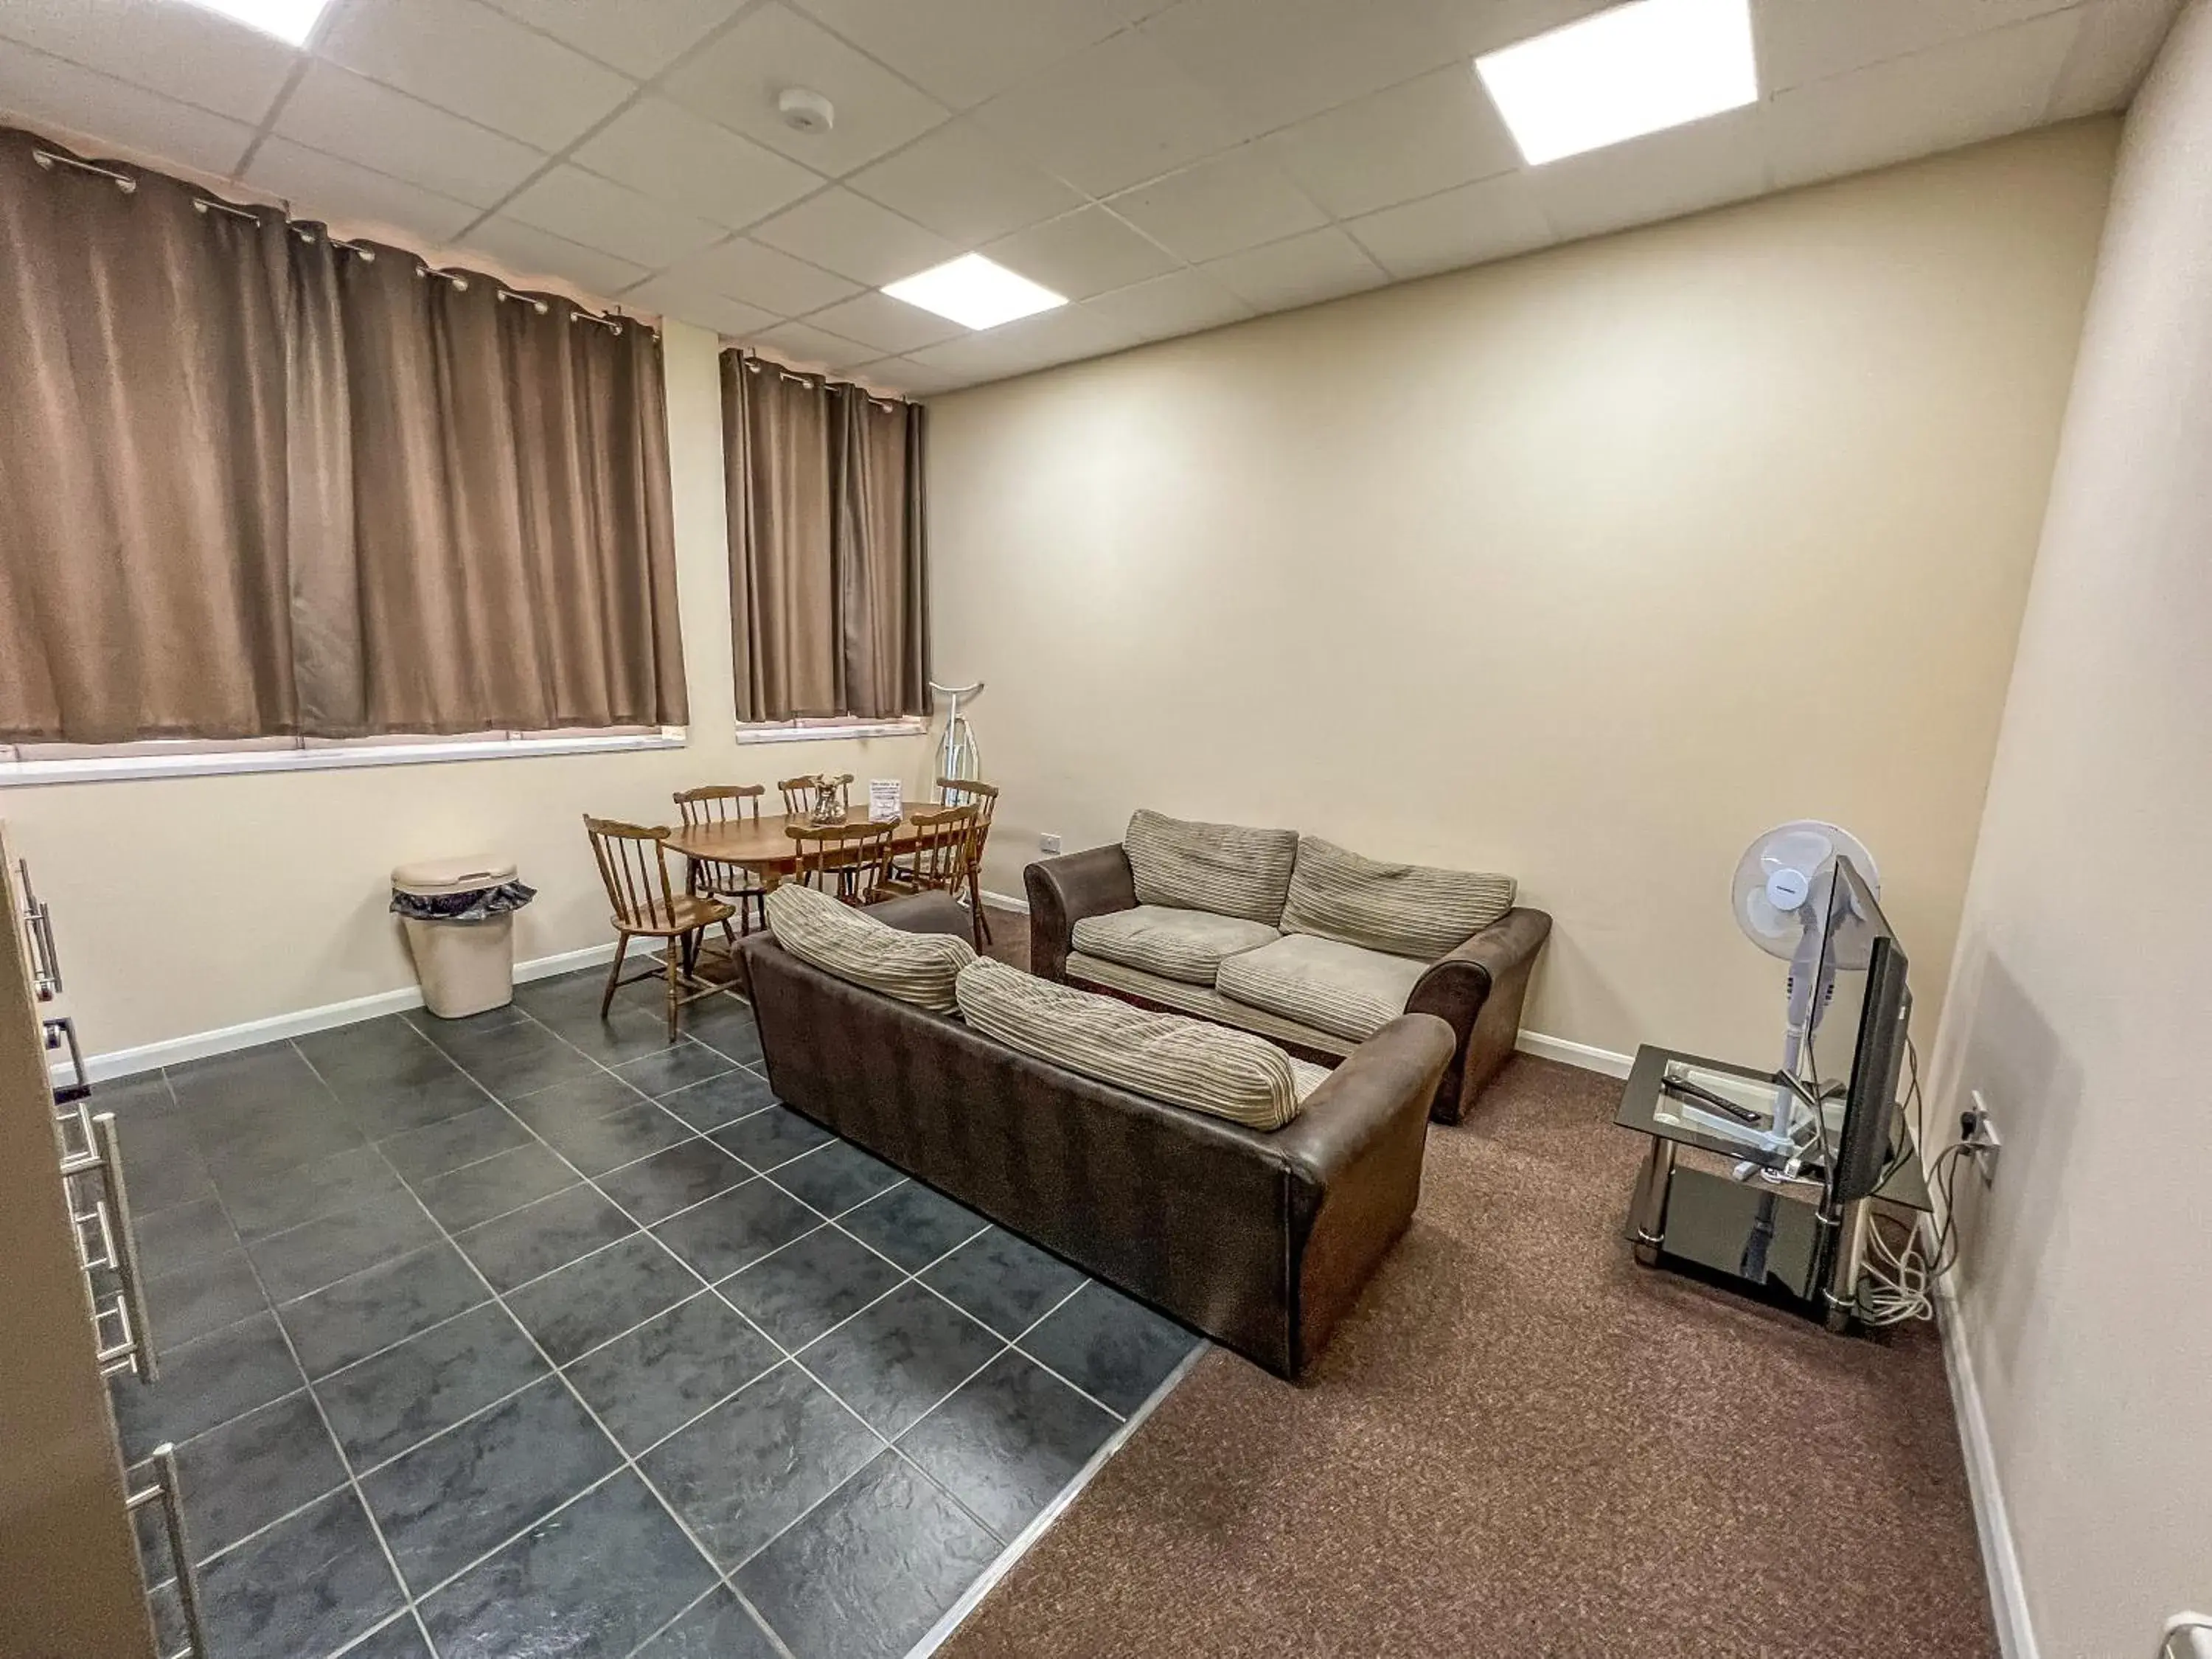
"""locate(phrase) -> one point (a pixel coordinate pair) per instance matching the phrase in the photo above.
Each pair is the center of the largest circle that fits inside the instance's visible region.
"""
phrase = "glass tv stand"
(1750, 1204)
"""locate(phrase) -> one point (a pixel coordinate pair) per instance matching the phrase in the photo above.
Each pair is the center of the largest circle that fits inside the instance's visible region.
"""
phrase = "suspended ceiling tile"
(962, 182)
(1801, 41)
(663, 150)
(888, 324)
(855, 238)
(586, 209)
(744, 269)
(961, 51)
(51, 93)
(804, 345)
(1273, 62)
(907, 377)
(463, 57)
(1034, 342)
(1081, 254)
(1491, 219)
(1700, 166)
(1982, 86)
(1181, 303)
(528, 251)
(342, 114)
(1410, 140)
(1113, 115)
(182, 52)
(638, 37)
(1299, 271)
(320, 186)
(2119, 39)
(736, 79)
(1221, 205)
(734, 317)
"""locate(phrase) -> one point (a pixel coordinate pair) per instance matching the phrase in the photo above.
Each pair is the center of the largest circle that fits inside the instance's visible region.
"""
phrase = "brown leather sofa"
(1477, 989)
(1262, 1241)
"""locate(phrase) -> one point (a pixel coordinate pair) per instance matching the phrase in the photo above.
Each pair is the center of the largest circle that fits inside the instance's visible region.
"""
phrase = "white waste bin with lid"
(459, 918)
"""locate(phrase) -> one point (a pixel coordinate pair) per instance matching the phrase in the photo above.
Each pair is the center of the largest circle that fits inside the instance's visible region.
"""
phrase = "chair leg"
(729, 938)
(671, 955)
(614, 972)
(975, 906)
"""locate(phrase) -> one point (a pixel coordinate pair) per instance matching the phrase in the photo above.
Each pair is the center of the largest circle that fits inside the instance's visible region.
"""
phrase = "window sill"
(843, 731)
(119, 768)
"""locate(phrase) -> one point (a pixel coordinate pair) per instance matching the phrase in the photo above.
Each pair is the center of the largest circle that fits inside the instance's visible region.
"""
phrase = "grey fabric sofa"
(1292, 938)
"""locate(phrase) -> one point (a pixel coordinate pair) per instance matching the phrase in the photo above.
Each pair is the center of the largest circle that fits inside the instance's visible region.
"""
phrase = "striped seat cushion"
(1345, 988)
(1179, 945)
(1185, 1062)
(916, 968)
(1223, 867)
(1407, 909)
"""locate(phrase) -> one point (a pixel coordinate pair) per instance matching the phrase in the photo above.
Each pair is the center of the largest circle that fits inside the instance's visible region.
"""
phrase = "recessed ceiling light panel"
(1634, 69)
(975, 293)
(287, 19)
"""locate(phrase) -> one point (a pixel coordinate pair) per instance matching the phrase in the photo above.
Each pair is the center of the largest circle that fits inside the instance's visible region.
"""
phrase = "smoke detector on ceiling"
(805, 111)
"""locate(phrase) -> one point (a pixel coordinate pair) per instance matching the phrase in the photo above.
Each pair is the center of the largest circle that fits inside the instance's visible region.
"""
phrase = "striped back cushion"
(1223, 867)
(1405, 910)
(916, 968)
(1185, 1062)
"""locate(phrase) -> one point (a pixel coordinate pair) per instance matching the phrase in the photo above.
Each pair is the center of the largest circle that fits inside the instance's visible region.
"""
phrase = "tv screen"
(1859, 1043)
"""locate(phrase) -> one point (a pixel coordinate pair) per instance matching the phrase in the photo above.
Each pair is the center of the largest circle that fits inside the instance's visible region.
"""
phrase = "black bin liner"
(478, 905)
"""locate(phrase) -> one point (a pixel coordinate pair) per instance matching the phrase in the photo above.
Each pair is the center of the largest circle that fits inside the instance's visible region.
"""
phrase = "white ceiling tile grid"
(1168, 165)
(463, 55)
(737, 77)
(52, 94)
(662, 150)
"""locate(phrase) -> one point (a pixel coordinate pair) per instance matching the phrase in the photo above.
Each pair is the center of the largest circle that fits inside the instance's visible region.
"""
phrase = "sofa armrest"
(1349, 1113)
(1062, 892)
(1353, 1157)
(923, 913)
(1477, 989)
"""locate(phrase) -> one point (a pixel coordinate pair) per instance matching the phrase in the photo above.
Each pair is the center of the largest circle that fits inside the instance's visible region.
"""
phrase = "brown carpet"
(1523, 1444)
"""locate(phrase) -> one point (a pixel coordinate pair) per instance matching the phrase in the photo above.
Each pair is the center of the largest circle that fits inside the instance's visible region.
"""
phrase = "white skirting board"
(2000, 1559)
(1574, 1053)
(1020, 907)
(123, 1062)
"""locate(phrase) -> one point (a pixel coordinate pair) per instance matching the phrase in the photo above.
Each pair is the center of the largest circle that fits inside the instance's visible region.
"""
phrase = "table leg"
(1648, 1214)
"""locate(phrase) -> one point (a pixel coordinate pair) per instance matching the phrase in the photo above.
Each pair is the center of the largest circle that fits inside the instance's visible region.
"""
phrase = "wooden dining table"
(763, 845)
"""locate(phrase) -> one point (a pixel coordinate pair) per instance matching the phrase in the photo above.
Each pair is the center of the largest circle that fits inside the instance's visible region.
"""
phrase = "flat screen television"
(1869, 1008)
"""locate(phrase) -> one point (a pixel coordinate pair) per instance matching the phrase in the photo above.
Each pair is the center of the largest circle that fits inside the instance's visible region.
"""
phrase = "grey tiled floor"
(535, 1334)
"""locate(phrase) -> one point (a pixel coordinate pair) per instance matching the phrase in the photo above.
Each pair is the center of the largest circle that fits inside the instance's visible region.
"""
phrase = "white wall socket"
(1047, 843)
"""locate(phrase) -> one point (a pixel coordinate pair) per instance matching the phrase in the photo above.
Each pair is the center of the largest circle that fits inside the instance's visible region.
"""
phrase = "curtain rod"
(47, 158)
(614, 323)
(756, 363)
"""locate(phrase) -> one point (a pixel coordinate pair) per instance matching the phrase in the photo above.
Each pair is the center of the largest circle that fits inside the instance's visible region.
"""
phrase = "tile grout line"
(828, 1220)
(832, 1219)
(628, 1463)
(345, 1463)
(713, 1287)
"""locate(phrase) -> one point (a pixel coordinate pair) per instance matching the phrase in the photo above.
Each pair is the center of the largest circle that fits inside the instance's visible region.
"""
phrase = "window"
(260, 482)
(828, 578)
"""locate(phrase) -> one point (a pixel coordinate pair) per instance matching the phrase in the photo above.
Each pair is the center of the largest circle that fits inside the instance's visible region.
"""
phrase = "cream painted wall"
(1588, 566)
(2079, 1006)
(186, 905)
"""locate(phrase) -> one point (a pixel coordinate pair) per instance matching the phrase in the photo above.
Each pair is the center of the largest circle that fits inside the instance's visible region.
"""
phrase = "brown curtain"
(827, 560)
(145, 547)
(252, 482)
(883, 615)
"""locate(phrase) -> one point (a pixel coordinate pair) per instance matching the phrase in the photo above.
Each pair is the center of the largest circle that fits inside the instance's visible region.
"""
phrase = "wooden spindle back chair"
(937, 858)
(647, 903)
(984, 797)
(724, 803)
(799, 795)
(852, 861)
